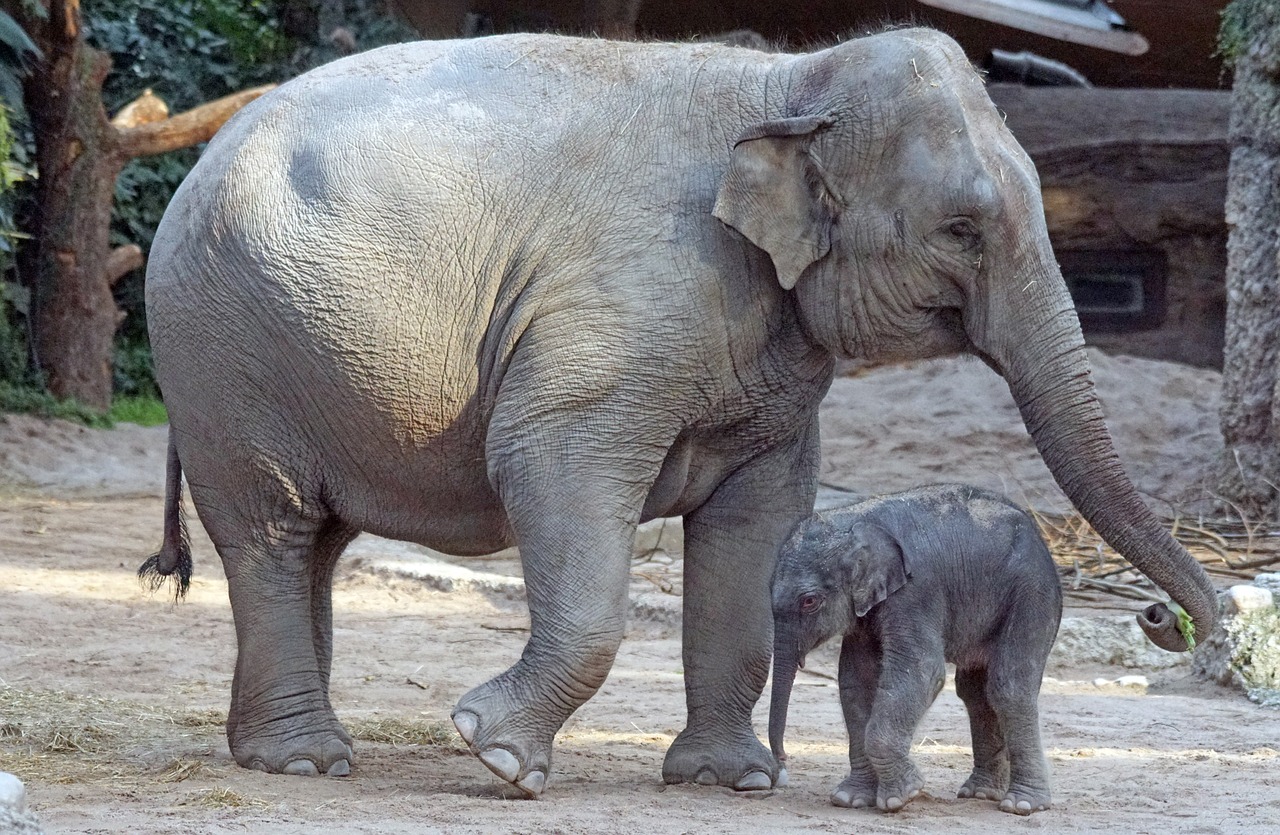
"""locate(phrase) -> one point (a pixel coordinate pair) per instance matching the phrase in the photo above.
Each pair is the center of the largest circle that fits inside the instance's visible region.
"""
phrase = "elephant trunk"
(1039, 350)
(785, 664)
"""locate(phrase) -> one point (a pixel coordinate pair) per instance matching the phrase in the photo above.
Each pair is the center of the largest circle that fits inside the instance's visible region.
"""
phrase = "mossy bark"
(1250, 474)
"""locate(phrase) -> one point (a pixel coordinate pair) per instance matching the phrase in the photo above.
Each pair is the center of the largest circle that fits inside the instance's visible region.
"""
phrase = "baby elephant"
(913, 580)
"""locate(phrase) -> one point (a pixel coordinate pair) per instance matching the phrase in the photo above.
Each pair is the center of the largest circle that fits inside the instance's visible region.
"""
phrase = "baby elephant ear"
(878, 569)
(772, 194)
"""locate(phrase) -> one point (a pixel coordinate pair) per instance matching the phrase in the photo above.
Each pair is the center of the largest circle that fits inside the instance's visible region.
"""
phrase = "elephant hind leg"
(1013, 688)
(990, 777)
(279, 564)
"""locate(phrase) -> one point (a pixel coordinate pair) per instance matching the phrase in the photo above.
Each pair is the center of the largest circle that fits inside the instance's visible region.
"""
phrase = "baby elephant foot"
(742, 763)
(1021, 801)
(893, 795)
(857, 791)
(507, 742)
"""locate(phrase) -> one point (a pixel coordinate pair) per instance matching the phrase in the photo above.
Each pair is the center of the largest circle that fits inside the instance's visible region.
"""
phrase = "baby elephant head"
(828, 574)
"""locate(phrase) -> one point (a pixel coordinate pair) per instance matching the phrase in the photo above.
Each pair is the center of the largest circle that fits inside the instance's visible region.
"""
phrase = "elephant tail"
(174, 556)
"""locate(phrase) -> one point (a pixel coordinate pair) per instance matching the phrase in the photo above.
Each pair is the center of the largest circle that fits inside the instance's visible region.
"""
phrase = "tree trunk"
(75, 315)
(1250, 474)
(79, 154)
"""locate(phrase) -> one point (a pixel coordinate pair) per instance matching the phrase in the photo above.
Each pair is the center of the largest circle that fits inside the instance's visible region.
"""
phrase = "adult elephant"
(536, 290)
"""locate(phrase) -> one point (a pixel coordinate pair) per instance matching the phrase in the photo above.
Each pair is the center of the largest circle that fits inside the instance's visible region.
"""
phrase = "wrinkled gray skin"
(914, 580)
(532, 289)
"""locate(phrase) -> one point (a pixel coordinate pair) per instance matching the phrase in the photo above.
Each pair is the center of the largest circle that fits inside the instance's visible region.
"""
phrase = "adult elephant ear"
(775, 194)
(877, 568)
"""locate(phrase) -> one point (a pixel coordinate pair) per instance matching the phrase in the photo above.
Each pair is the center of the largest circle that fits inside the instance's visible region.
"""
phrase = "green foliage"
(17, 54)
(132, 372)
(38, 402)
(14, 298)
(13, 340)
(187, 52)
(144, 411)
(1186, 626)
(31, 400)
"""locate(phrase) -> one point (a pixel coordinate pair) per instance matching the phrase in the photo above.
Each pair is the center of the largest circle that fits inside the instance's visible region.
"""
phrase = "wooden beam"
(1119, 167)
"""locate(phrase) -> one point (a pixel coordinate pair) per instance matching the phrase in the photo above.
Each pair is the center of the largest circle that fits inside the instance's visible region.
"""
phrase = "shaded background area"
(1182, 33)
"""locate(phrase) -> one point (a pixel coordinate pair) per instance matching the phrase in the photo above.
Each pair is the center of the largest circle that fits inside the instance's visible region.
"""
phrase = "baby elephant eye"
(963, 228)
(810, 603)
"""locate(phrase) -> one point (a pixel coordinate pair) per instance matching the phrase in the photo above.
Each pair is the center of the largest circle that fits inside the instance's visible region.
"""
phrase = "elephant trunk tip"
(1171, 632)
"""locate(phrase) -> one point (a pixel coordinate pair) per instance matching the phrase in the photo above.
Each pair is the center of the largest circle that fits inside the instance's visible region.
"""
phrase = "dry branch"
(186, 129)
(1230, 549)
(121, 261)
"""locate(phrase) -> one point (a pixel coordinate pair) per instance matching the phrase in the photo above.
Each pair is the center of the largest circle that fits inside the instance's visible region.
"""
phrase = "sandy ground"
(110, 698)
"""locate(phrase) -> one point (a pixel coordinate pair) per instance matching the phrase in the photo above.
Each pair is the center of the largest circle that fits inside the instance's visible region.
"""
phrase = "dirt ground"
(111, 699)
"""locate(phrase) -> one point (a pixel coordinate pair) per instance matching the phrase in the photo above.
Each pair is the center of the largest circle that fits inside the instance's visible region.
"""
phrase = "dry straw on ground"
(68, 738)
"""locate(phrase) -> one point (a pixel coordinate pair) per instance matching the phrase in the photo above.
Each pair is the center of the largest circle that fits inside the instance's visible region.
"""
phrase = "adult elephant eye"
(809, 603)
(963, 228)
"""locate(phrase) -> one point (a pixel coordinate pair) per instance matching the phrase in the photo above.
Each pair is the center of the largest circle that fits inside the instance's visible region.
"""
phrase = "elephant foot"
(304, 753)
(741, 763)
(894, 795)
(1024, 801)
(504, 740)
(985, 784)
(857, 791)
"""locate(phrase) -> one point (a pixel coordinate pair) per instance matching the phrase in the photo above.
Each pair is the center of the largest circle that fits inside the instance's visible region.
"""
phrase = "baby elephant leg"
(990, 777)
(1013, 688)
(859, 675)
(910, 679)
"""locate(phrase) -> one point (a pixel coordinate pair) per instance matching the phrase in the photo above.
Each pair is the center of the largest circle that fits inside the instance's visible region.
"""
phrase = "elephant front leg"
(730, 546)
(575, 547)
(859, 674)
(912, 672)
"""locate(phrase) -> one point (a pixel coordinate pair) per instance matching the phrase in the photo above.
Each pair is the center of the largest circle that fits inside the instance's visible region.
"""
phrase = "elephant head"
(907, 222)
(825, 577)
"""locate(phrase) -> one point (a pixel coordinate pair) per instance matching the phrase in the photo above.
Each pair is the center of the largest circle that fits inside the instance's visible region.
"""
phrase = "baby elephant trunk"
(785, 665)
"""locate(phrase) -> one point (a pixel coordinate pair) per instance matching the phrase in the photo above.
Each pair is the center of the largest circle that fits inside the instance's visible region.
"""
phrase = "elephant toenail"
(466, 722)
(502, 763)
(706, 778)
(753, 781)
(341, 768)
(783, 779)
(302, 768)
(534, 782)
(841, 798)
